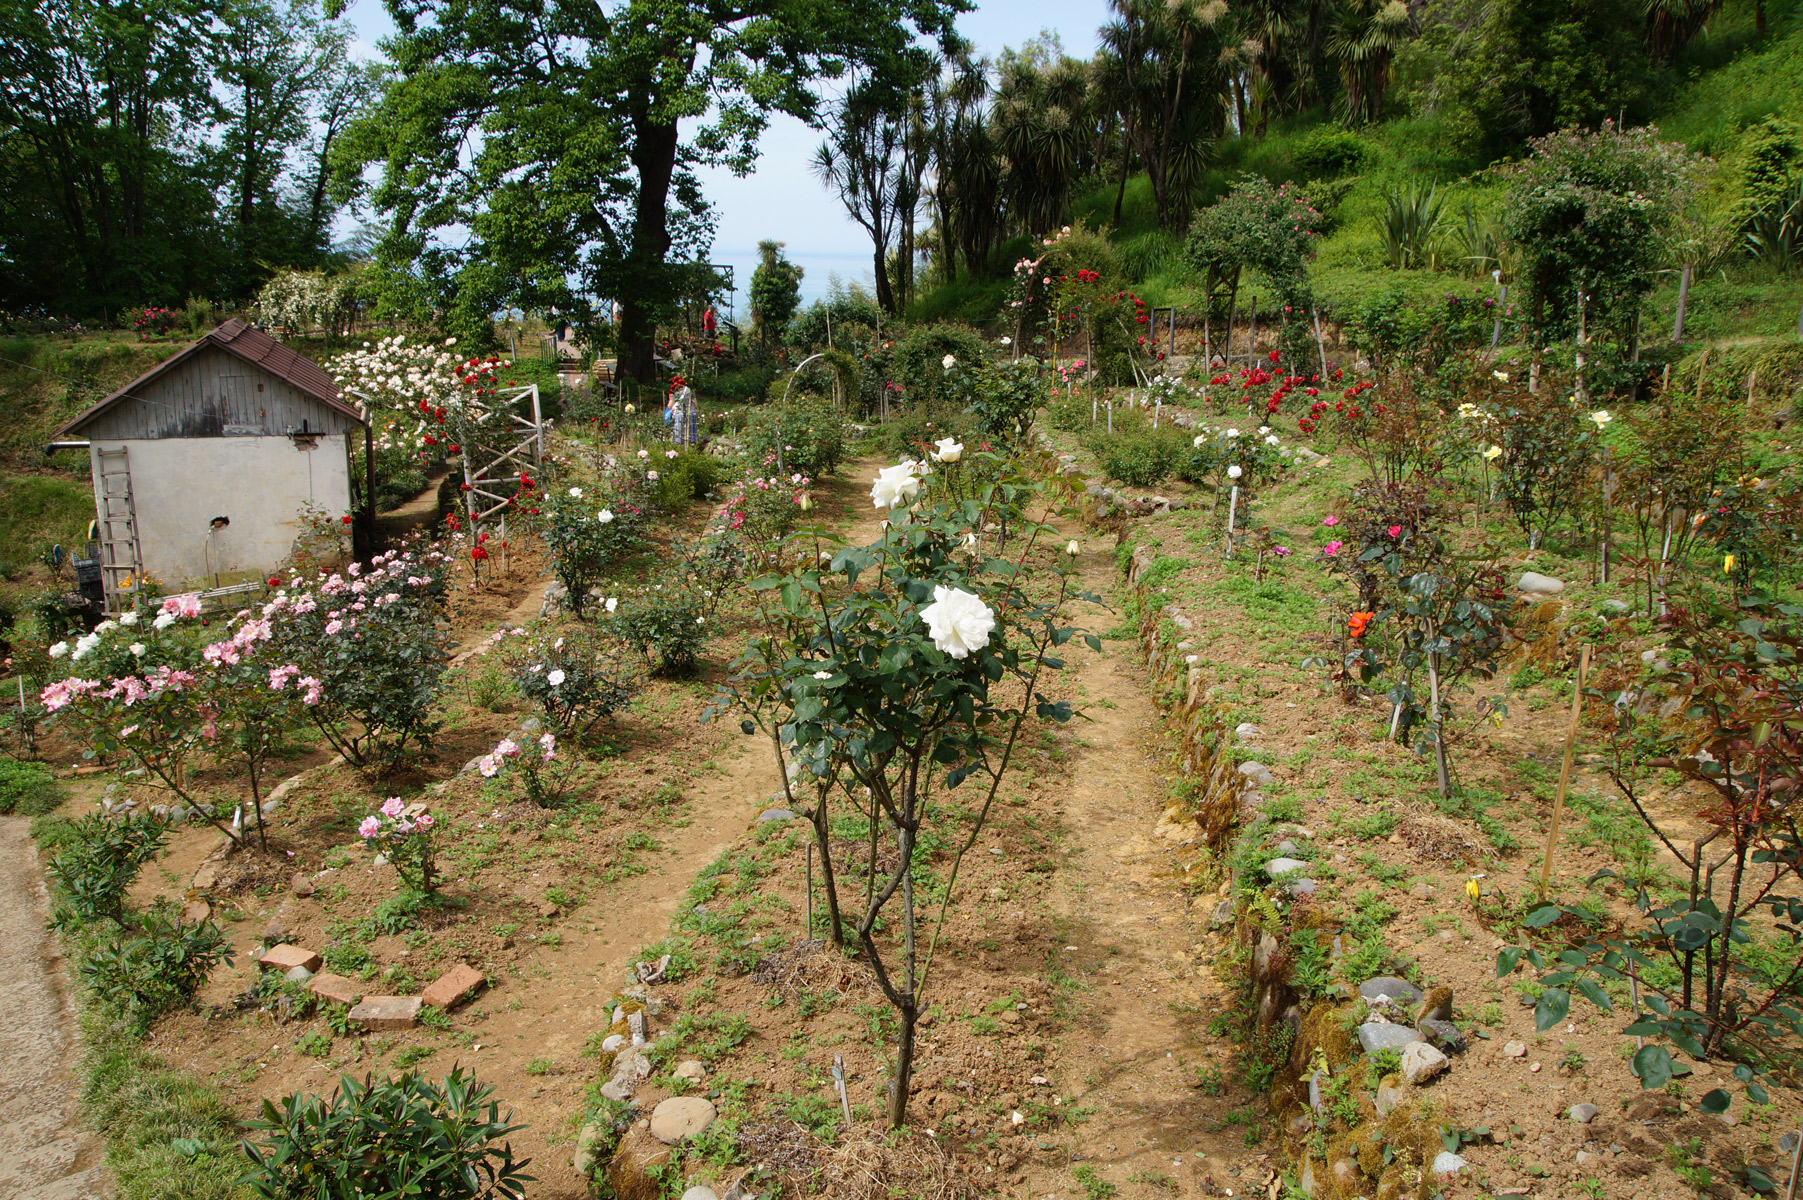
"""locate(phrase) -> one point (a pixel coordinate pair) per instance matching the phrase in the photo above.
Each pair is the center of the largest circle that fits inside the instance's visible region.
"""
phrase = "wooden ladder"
(121, 560)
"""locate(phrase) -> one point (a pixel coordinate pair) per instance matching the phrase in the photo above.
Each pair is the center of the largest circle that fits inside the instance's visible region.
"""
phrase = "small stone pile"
(300, 965)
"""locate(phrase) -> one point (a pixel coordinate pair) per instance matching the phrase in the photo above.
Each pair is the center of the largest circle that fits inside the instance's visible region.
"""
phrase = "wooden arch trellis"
(487, 468)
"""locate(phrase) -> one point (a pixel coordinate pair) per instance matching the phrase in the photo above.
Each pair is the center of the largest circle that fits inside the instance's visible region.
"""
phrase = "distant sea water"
(817, 271)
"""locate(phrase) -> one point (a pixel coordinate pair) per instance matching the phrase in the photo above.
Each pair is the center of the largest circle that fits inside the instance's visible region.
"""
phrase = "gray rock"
(1245, 731)
(1308, 457)
(681, 1117)
(1263, 954)
(1583, 1113)
(1381, 1035)
(1442, 1035)
(1614, 605)
(1308, 1181)
(1516, 1049)
(775, 814)
(1448, 1163)
(1284, 866)
(692, 1070)
(584, 1161)
(1536, 584)
(612, 1043)
(1587, 1159)
(1301, 887)
(1388, 1097)
(631, 1068)
(1287, 848)
(1423, 890)
(698, 1192)
(1387, 989)
(1316, 1100)
(297, 975)
(1222, 915)
(1258, 773)
(1421, 1062)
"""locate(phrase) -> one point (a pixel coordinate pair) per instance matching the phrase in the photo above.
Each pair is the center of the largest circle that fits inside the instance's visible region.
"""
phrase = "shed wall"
(259, 483)
(214, 394)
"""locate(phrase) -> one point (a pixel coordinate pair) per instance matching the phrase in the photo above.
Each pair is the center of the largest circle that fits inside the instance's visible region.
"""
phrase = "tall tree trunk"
(654, 156)
(1120, 193)
(885, 295)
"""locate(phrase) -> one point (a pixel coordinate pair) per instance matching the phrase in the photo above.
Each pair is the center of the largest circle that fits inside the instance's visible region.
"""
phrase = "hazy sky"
(782, 199)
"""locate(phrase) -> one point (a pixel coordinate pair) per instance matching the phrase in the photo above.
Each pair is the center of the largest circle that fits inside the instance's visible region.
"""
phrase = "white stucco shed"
(203, 465)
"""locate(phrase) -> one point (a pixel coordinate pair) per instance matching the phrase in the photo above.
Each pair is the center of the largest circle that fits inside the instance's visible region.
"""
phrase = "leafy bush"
(27, 788)
(98, 862)
(1005, 397)
(916, 365)
(589, 528)
(1144, 458)
(371, 641)
(667, 626)
(1327, 151)
(401, 1136)
(575, 676)
(159, 968)
(805, 428)
(685, 476)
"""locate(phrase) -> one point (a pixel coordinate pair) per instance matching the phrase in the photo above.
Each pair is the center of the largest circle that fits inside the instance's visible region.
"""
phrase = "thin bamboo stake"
(1702, 369)
(1433, 683)
(1320, 344)
(1233, 504)
(1571, 742)
(810, 927)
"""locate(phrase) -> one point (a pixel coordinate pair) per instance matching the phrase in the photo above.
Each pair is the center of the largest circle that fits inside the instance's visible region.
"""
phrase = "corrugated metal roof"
(250, 345)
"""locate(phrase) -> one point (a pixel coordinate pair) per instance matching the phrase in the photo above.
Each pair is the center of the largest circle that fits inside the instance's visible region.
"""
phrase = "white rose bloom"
(1234, 472)
(823, 674)
(555, 678)
(576, 492)
(1263, 429)
(613, 602)
(163, 621)
(957, 621)
(1199, 439)
(1231, 433)
(948, 362)
(1071, 548)
(1007, 341)
(949, 451)
(137, 649)
(1270, 439)
(60, 649)
(605, 516)
(128, 618)
(105, 626)
(895, 486)
(1601, 417)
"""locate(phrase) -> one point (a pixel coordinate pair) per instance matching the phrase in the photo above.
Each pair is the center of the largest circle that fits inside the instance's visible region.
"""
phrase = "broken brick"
(454, 985)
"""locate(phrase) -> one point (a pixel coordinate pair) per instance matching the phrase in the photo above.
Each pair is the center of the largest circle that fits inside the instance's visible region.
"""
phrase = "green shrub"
(98, 863)
(27, 788)
(688, 477)
(917, 367)
(159, 968)
(667, 625)
(1327, 151)
(812, 438)
(395, 1137)
(591, 680)
(1142, 458)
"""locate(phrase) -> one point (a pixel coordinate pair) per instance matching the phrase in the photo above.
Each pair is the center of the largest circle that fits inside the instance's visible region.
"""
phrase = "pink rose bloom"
(1395, 531)
(1332, 548)
(425, 820)
(507, 748)
(128, 731)
(369, 828)
(315, 690)
(488, 766)
(1330, 520)
(392, 807)
(334, 626)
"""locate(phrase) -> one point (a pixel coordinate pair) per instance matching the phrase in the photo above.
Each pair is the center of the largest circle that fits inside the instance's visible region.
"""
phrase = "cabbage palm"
(1363, 41)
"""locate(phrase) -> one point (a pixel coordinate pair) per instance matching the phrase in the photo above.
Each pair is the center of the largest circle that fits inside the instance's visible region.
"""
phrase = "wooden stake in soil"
(839, 1082)
(1571, 742)
(1433, 683)
(1683, 300)
(1320, 345)
(810, 925)
(1233, 504)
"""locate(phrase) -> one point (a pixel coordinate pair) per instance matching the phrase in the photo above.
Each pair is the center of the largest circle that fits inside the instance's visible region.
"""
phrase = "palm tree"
(1161, 56)
(1364, 39)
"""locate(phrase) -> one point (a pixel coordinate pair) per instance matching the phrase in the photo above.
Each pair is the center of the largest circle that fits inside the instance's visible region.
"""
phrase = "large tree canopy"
(543, 153)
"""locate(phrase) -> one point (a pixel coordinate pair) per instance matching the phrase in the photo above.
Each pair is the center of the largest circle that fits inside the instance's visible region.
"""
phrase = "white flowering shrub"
(904, 670)
(300, 300)
(576, 675)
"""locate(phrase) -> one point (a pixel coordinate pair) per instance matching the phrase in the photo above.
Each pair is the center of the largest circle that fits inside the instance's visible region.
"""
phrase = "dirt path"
(1134, 935)
(564, 995)
(44, 1154)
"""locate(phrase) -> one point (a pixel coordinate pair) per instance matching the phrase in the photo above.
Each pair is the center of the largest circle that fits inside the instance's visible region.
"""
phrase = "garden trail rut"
(1141, 1036)
(564, 996)
(44, 1154)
